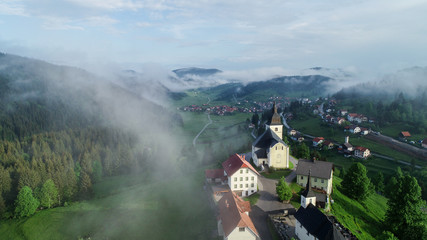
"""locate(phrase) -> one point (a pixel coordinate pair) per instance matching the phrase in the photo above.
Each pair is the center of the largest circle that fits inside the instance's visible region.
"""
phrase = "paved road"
(267, 202)
(203, 129)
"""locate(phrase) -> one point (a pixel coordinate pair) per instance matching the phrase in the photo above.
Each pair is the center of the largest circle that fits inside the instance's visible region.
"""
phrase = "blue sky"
(366, 35)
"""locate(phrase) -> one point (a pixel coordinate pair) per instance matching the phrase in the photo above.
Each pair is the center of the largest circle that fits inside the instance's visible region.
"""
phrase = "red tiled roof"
(353, 114)
(405, 134)
(214, 173)
(232, 213)
(317, 139)
(327, 142)
(362, 149)
(234, 163)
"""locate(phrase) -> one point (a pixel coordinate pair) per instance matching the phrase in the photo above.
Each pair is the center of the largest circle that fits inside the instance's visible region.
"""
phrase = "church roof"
(320, 169)
(315, 222)
(267, 139)
(234, 163)
(275, 119)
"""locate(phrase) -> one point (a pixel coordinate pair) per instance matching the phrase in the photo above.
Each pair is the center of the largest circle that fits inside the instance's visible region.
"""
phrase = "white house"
(354, 129)
(362, 152)
(354, 117)
(242, 177)
(317, 141)
(233, 221)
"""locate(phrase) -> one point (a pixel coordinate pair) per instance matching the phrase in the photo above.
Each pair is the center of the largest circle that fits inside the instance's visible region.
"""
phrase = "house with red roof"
(233, 220)
(362, 152)
(242, 178)
(405, 134)
(317, 141)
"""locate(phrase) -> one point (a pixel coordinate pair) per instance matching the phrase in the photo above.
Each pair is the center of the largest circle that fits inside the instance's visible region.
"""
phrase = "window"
(252, 185)
(282, 147)
(241, 178)
(276, 129)
(302, 177)
(252, 191)
(323, 180)
(247, 178)
(235, 185)
(235, 179)
(242, 229)
(247, 170)
(241, 170)
(252, 178)
(315, 179)
(276, 147)
(241, 185)
(247, 185)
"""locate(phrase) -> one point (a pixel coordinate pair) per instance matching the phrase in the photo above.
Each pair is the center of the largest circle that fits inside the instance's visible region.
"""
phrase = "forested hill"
(67, 125)
(295, 86)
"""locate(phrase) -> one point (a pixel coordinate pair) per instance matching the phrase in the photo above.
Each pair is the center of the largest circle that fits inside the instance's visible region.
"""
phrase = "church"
(269, 148)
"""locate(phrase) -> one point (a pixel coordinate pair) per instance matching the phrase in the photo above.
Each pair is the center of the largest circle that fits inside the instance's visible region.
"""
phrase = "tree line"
(62, 163)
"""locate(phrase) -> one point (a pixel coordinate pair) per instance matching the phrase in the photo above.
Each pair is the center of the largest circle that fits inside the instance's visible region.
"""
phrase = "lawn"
(277, 174)
(296, 198)
(124, 209)
(253, 199)
(362, 219)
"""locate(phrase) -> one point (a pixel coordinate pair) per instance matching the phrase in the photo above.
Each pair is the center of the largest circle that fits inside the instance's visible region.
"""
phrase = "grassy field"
(125, 208)
(362, 219)
(296, 198)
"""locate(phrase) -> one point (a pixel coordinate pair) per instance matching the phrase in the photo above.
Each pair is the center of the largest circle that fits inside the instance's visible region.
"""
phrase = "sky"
(367, 35)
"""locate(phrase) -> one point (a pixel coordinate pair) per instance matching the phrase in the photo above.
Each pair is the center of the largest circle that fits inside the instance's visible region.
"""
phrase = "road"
(267, 202)
(203, 129)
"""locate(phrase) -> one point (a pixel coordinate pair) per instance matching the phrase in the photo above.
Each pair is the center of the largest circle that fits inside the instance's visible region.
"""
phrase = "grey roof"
(261, 153)
(319, 169)
(267, 139)
(315, 222)
(347, 145)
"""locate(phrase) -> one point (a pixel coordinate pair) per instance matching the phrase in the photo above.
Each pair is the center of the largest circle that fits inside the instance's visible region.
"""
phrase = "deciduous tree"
(283, 190)
(26, 203)
(48, 194)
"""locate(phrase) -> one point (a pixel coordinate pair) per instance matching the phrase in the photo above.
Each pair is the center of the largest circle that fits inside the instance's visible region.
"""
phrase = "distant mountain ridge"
(203, 72)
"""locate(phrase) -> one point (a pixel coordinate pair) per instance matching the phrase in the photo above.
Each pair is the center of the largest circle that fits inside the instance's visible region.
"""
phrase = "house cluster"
(349, 150)
(295, 135)
(354, 129)
(321, 142)
(216, 110)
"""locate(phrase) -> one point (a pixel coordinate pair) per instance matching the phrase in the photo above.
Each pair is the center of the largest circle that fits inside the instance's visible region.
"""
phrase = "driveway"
(267, 202)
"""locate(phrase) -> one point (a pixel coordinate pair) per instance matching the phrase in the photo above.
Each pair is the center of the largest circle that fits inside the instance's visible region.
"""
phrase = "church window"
(282, 147)
(276, 129)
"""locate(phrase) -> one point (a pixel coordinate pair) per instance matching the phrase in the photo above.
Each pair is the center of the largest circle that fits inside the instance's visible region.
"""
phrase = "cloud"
(11, 7)
(59, 23)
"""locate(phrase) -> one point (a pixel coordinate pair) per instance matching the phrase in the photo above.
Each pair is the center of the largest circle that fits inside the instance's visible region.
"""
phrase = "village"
(240, 177)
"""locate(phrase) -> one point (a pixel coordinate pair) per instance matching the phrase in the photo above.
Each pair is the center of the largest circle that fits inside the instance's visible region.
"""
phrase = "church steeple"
(275, 119)
(308, 195)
